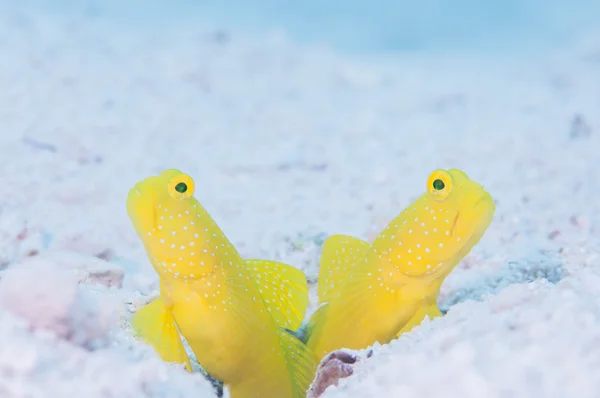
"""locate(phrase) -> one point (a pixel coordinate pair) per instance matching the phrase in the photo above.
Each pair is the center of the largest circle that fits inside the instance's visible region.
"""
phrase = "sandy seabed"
(289, 144)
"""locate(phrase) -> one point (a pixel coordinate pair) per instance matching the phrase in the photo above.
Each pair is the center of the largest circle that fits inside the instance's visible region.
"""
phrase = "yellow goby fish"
(374, 292)
(233, 312)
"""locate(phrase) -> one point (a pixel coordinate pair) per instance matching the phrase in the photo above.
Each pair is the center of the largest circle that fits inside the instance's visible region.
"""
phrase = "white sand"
(287, 145)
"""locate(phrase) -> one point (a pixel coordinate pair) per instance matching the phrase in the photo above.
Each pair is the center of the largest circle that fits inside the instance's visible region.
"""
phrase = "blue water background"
(362, 26)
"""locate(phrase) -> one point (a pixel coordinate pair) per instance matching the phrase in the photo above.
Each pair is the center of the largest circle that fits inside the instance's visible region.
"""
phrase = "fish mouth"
(135, 196)
(482, 205)
(140, 207)
(141, 191)
(478, 208)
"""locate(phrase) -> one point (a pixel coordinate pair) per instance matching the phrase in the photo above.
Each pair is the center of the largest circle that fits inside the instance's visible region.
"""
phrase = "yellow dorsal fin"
(301, 363)
(155, 325)
(284, 290)
(338, 256)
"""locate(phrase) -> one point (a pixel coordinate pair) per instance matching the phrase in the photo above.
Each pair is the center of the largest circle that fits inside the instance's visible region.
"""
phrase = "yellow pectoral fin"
(431, 311)
(338, 256)
(284, 290)
(155, 325)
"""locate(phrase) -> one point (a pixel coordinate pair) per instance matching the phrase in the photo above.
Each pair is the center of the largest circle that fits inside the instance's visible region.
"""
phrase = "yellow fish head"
(175, 229)
(436, 231)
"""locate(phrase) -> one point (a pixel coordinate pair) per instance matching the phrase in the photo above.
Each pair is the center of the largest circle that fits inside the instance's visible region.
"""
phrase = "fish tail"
(155, 325)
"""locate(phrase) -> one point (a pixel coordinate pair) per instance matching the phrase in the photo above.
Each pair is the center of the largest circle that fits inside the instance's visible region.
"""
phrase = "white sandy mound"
(59, 339)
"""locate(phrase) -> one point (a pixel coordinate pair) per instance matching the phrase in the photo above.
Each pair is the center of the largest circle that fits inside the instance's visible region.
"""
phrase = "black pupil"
(438, 185)
(181, 187)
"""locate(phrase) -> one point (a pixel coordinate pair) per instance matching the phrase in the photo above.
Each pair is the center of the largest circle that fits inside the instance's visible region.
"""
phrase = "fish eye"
(438, 184)
(181, 186)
